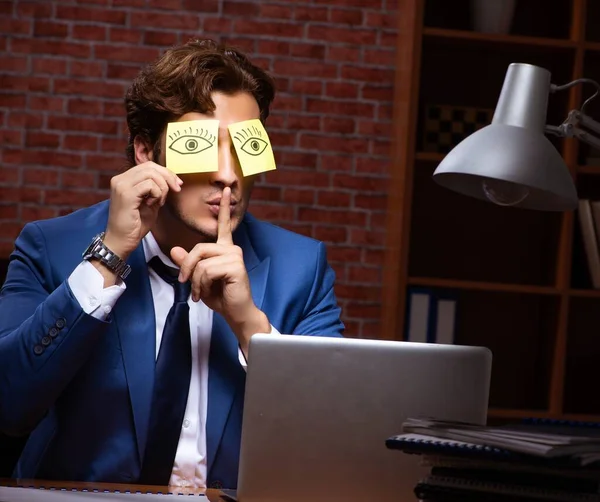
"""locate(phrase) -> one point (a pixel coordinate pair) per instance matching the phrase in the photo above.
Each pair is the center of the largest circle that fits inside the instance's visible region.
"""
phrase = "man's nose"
(229, 170)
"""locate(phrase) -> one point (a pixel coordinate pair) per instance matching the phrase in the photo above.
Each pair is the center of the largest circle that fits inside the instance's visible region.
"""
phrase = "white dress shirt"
(87, 285)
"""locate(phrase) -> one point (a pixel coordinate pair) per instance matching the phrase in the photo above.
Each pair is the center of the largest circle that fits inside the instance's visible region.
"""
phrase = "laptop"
(318, 411)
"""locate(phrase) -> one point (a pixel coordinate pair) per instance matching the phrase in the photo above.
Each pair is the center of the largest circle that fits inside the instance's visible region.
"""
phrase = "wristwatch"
(98, 251)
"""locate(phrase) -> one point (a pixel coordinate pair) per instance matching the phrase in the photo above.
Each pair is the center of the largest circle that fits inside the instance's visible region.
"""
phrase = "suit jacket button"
(53, 332)
(216, 484)
(61, 323)
(46, 341)
(38, 349)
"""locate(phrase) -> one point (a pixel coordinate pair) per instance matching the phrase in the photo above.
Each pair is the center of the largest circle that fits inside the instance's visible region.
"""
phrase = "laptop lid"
(318, 410)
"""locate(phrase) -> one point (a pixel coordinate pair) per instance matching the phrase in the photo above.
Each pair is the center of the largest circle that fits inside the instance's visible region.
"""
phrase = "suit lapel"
(226, 377)
(136, 326)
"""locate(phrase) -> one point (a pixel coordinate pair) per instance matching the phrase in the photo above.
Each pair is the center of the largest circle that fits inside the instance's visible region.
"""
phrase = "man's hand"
(219, 278)
(135, 198)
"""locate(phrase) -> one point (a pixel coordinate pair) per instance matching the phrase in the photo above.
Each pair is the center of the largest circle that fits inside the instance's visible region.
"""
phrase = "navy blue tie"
(171, 383)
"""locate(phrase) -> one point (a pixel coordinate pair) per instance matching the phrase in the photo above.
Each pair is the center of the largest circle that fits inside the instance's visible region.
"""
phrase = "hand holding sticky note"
(252, 146)
(192, 146)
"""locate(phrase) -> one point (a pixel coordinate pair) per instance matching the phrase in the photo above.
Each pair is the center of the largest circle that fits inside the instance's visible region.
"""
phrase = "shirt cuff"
(87, 285)
(241, 355)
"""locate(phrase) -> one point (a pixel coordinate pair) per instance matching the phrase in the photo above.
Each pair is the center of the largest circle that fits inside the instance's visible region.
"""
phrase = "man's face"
(197, 205)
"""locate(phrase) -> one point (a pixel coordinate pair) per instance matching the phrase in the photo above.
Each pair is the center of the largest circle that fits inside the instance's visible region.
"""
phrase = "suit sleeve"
(45, 336)
(321, 315)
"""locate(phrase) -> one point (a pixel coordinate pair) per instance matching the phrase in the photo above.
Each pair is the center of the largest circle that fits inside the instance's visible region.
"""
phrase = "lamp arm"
(569, 128)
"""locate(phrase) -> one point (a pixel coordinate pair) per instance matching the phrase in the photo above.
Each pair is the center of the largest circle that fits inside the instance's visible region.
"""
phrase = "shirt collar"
(152, 249)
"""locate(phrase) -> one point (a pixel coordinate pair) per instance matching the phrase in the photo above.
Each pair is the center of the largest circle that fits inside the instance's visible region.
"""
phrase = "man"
(116, 372)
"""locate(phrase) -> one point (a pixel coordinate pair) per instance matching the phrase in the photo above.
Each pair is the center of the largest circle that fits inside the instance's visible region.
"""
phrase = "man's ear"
(142, 149)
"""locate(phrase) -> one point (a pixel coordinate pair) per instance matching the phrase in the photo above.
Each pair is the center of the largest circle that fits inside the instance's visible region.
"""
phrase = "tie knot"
(169, 275)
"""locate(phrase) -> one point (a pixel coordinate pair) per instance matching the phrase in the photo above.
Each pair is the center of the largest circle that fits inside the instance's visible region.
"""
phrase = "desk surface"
(105, 488)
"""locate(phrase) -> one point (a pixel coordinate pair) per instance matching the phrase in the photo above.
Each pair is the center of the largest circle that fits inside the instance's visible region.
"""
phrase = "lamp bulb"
(504, 193)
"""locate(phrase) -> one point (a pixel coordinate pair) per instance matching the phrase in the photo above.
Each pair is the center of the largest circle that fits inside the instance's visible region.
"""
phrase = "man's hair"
(182, 80)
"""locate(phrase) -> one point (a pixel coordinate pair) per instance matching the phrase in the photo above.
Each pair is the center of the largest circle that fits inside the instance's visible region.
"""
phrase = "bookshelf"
(520, 276)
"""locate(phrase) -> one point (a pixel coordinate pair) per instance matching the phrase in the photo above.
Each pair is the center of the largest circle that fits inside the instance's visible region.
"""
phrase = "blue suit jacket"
(82, 387)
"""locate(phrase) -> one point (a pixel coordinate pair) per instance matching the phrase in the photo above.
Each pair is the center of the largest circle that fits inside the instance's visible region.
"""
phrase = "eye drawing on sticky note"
(186, 142)
(191, 146)
(252, 146)
(251, 141)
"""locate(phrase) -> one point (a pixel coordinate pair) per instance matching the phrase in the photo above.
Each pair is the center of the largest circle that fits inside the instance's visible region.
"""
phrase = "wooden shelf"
(489, 38)
(429, 156)
(482, 286)
(588, 169)
(592, 46)
(520, 414)
(585, 293)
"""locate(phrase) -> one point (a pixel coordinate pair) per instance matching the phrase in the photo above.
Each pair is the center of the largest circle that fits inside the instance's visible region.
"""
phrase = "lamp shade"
(511, 162)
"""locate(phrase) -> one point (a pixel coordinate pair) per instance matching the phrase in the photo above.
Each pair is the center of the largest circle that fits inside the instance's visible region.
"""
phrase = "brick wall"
(65, 64)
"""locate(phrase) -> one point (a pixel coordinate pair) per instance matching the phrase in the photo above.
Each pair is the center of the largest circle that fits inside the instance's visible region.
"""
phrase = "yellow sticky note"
(192, 146)
(252, 146)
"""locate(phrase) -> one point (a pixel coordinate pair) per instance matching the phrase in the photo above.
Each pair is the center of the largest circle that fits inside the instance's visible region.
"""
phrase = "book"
(550, 440)
(431, 316)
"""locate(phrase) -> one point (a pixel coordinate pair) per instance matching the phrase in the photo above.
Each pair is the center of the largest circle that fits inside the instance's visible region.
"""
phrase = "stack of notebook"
(531, 461)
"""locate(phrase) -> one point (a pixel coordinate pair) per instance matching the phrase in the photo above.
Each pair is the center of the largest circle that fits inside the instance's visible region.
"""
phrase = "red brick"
(92, 69)
(338, 125)
(34, 9)
(10, 229)
(337, 162)
(58, 159)
(113, 109)
(385, 112)
(42, 139)
(314, 87)
(9, 174)
(287, 102)
(116, 145)
(335, 53)
(346, 16)
(160, 38)
(165, 4)
(12, 26)
(80, 124)
(365, 310)
(122, 71)
(110, 16)
(89, 32)
(72, 197)
(114, 163)
(368, 74)
(118, 53)
(312, 51)
(184, 21)
(16, 64)
(379, 93)
(276, 11)
(333, 198)
(298, 196)
(242, 9)
(266, 28)
(87, 88)
(243, 43)
(129, 3)
(46, 103)
(203, 6)
(382, 147)
(374, 128)
(8, 212)
(6, 7)
(304, 122)
(78, 106)
(25, 120)
(125, 35)
(343, 90)
(328, 106)
(59, 48)
(43, 177)
(73, 179)
(310, 13)
(299, 159)
(368, 293)
(344, 254)
(364, 237)
(19, 83)
(272, 212)
(217, 25)
(43, 28)
(380, 57)
(331, 216)
(360, 183)
(12, 100)
(277, 47)
(369, 165)
(52, 66)
(388, 39)
(265, 193)
(366, 4)
(302, 68)
(35, 213)
(343, 35)
(85, 142)
(338, 235)
(289, 177)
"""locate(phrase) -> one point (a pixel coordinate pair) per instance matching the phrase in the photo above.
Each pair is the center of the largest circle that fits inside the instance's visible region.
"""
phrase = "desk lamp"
(511, 162)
